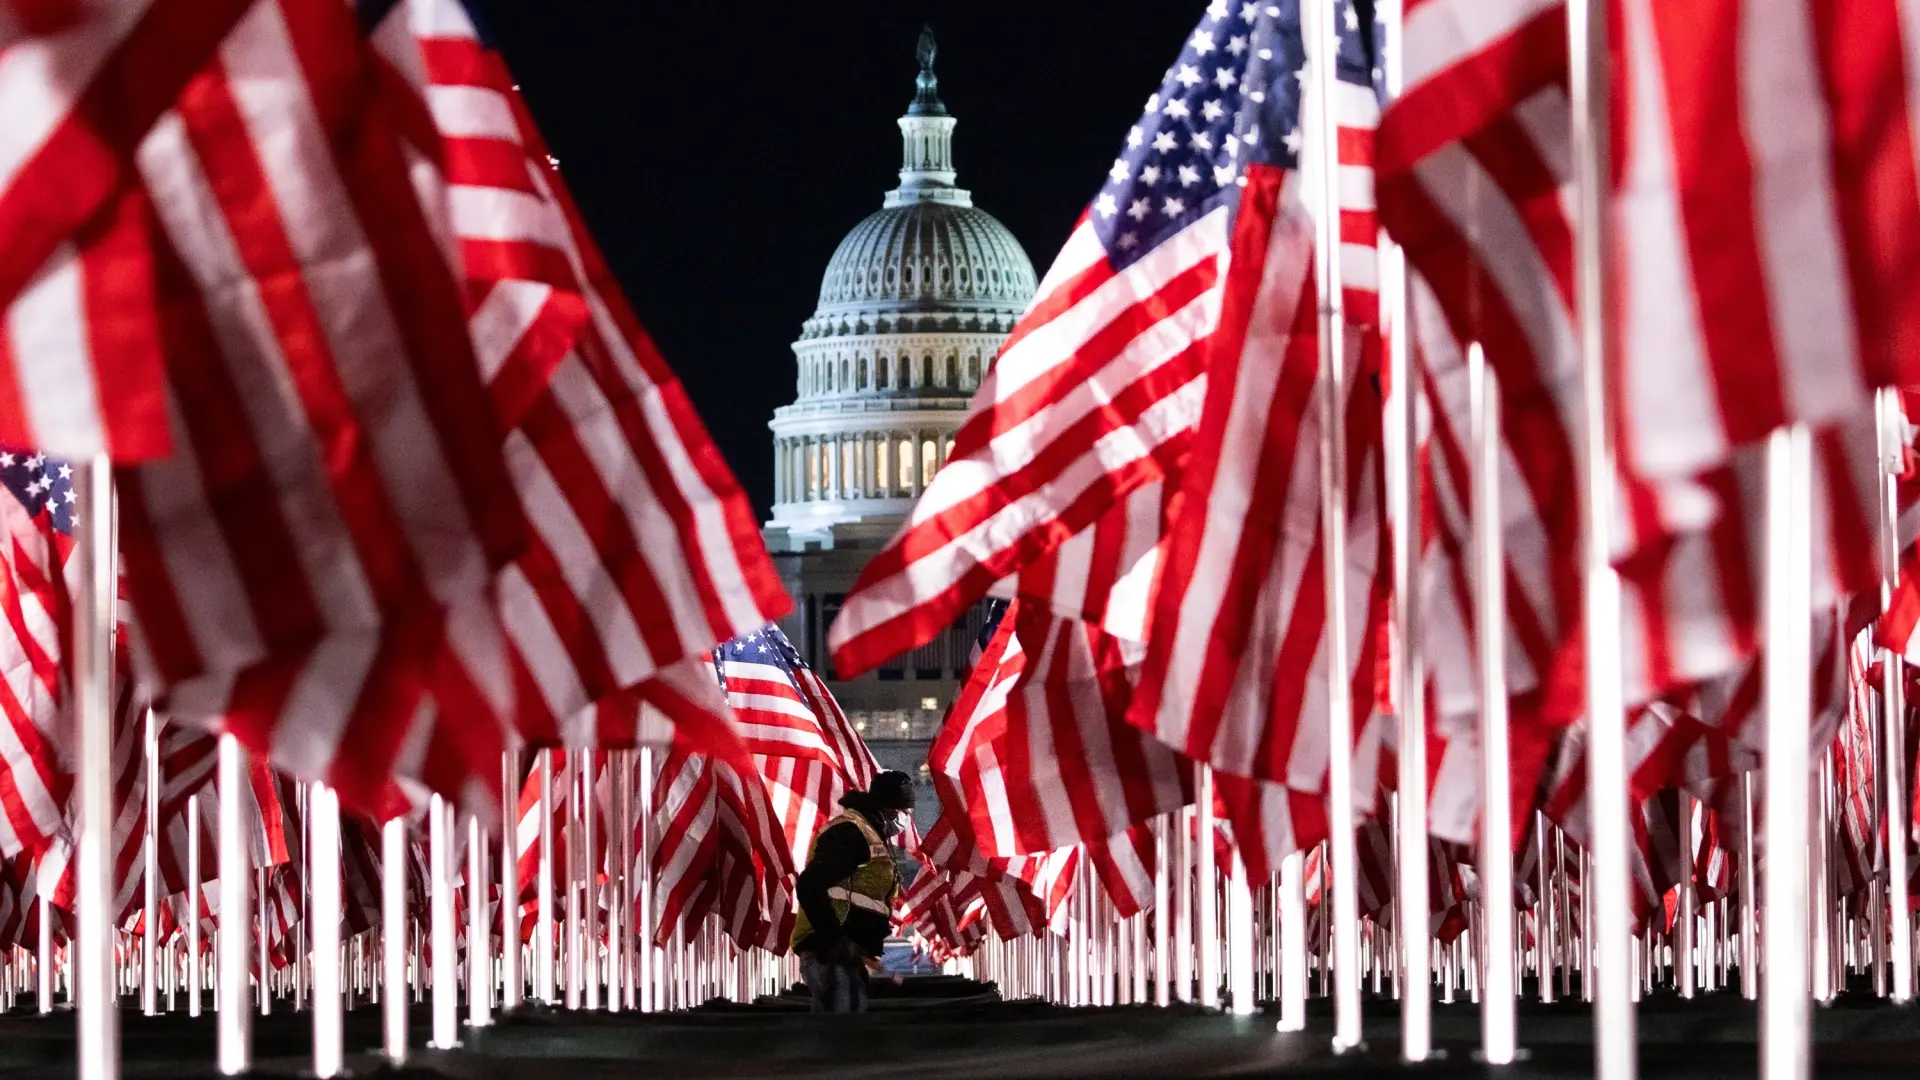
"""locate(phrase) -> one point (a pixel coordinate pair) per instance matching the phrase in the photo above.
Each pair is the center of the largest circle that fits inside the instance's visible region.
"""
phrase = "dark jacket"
(838, 852)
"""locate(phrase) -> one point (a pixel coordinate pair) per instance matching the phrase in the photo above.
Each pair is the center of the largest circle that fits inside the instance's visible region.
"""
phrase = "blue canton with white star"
(765, 646)
(42, 485)
(1231, 100)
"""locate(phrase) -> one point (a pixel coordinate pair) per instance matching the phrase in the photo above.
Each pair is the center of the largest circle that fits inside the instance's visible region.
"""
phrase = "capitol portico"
(913, 306)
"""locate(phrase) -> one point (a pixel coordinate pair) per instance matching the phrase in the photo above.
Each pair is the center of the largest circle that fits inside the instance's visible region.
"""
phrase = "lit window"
(881, 473)
(929, 464)
(931, 704)
(906, 465)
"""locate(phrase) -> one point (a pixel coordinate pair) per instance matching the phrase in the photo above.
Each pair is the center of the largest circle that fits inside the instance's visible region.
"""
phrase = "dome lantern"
(926, 134)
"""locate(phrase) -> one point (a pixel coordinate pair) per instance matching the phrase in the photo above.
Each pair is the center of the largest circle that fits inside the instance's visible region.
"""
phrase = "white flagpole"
(43, 968)
(1207, 928)
(1785, 1013)
(1240, 939)
(329, 1023)
(620, 927)
(446, 991)
(479, 935)
(1412, 931)
(589, 940)
(150, 869)
(1183, 895)
(196, 965)
(236, 1034)
(1684, 904)
(543, 944)
(573, 966)
(1293, 942)
(1162, 913)
(1749, 897)
(98, 1016)
(1894, 704)
(1612, 932)
(650, 957)
(393, 937)
(1498, 1011)
(510, 985)
(1322, 43)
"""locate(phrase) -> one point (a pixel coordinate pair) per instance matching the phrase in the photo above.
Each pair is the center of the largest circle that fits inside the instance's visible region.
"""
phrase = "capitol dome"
(913, 306)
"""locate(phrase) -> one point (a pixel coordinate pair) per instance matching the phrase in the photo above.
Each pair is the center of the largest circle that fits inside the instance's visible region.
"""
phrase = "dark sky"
(721, 150)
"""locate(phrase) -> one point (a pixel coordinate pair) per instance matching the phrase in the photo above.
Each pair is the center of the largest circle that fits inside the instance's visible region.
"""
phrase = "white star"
(1212, 110)
(1188, 76)
(66, 472)
(1173, 207)
(1223, 175)
(1119, 171)
(1139, 209)
(1252, 136)
(1189, 176)
(69, 495)
(1353, 18)
(1233, 146)
(1257, 96)
(1237, 44)
(1201, 141)
(1249, 12)
(6, 461)
(1164, 142)
(36, 461)
(1177, 108)
(1128, 240)
(1106, 205)
(1217, 9)
(1153, 104)
(1134, 137)
(1202, 42)
(1293, 141)
(1150, 175)
(1224, 78)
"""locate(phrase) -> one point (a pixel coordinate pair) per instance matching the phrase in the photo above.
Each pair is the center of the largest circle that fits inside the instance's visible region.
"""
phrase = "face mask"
(893, 825)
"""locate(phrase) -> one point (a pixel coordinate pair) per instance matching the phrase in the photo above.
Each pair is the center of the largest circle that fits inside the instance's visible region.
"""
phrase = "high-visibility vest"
(870, 888)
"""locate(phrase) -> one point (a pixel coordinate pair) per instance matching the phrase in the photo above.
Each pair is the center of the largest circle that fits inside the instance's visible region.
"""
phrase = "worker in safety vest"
(846, 894)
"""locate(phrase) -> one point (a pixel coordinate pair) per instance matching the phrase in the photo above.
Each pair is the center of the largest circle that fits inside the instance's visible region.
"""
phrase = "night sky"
(721, 150)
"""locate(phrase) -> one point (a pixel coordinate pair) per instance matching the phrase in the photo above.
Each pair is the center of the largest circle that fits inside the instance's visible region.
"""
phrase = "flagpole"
(1183, 895)
(572, 902)
(1498, 1016)
(589, 941)
(543, 944)
(1293, 942)
(235, 1022)
(1322, 41)
(446, 993)
(1684, 945)
(393, 937)
(479, 936)
(1162, 913)
(1240, 938)
(150, 866)
(510, 986)
(1611, 935)
(1749, 896)
(1893, 702)
(329, 1024)
(1207, 897)
(643, 887)
(195, 962)
(1785, 1012)
(97, 1021)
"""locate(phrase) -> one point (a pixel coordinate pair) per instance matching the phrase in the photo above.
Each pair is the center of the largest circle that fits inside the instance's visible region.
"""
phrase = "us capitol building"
(914, 305)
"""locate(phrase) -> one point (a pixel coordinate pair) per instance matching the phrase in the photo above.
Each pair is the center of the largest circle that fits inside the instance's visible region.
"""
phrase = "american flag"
(808, 753)
(1238, 662)
(644, 552)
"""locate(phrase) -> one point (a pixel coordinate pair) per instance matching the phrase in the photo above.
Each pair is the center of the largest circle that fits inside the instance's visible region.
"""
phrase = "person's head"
(888, 800)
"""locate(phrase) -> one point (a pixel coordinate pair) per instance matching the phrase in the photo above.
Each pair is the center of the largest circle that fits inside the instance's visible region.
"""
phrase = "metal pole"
(150, 867)
(1293, 942)
(650, 957)
(393, 937)
(97, 1023)
(1240, 939)
(589, 877)
(1183, 890)
(510, 985)
(329, 1021)
(195, 961)
(1785, 1013)
(572, 881)
(479, 934)
(235, 1024)
(1207, 930)
(1749, 897)
(543, 944)
(1894, 702)
(1546, 940)
(622, 907)
(1162, 914)
(1342, 877)
(1611, 935)
(1683, 931)
(446, 992)
(1498, 1007)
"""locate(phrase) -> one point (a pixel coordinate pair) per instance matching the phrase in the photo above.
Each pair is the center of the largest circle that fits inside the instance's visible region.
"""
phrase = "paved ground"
(975, 1037)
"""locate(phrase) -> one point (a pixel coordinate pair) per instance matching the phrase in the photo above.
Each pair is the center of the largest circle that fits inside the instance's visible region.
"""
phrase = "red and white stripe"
(336, 497)
(644, 552)
(1769, 213)
(720, 852)
(34, 780)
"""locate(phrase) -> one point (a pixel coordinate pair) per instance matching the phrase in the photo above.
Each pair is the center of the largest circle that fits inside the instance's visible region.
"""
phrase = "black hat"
(892, 790)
